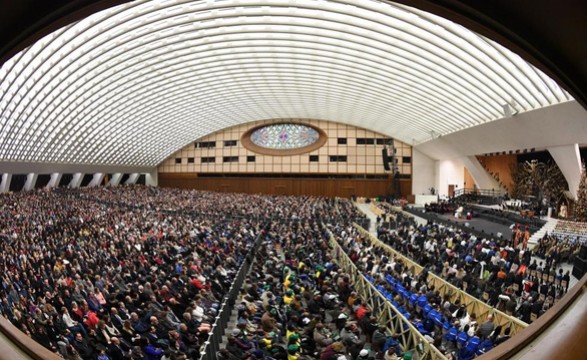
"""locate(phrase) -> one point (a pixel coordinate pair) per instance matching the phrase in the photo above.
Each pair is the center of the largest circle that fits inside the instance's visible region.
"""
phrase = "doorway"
(451, 191)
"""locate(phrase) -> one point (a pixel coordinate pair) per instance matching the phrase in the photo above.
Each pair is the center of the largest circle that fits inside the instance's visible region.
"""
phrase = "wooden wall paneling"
(285, 186)
(469, 181)
(500, 164)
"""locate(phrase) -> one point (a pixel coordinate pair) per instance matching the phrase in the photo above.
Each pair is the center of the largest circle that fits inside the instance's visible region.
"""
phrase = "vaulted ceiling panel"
(132, 84)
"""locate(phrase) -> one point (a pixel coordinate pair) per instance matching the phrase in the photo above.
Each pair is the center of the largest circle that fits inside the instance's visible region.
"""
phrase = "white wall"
(556, 125)
(423, 173)
(568, 159)
(449, 172)
(429, 173)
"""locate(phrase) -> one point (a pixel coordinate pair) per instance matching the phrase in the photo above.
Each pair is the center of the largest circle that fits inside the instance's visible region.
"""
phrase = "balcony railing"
(410, 338)
(480, 192)
(472, 304)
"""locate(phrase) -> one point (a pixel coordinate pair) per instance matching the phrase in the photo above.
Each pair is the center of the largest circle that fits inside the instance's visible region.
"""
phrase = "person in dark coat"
(83, 347)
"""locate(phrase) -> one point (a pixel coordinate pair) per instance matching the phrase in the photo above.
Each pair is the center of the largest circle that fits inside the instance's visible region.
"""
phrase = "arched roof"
(132, 84)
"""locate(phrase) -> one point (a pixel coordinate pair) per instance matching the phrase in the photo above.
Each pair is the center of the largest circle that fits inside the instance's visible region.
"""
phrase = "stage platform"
(479, 224)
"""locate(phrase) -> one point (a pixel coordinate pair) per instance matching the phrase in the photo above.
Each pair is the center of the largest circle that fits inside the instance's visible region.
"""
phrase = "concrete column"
(152, 179)
(54, 181)
(482, 178)
(96, 180)
(5, 185)
(31, 179)
(115, 180)
(76, 181)
(568, 159)
(132, 179)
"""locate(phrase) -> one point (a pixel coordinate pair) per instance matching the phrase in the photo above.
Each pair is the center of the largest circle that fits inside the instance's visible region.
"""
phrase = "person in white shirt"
(198, 312)
(71, 324)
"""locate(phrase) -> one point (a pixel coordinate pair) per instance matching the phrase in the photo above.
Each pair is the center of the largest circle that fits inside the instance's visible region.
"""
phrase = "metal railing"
(410, 339)
(217, 331)
(472, 304)
(480, 192)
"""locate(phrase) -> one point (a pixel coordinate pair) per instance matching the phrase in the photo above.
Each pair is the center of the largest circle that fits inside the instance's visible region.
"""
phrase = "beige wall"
(361, 159)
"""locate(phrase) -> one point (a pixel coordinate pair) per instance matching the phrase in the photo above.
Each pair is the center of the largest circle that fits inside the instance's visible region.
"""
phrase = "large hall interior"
(292, 180)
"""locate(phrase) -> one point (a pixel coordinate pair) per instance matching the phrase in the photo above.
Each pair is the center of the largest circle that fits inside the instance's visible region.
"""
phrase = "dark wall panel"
(65, 180)
(285, 186)
(42, 181)
(17, 182)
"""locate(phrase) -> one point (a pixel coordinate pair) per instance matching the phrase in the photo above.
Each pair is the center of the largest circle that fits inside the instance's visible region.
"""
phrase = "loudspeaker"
(580, 267)
(385, 159)
(583, 252)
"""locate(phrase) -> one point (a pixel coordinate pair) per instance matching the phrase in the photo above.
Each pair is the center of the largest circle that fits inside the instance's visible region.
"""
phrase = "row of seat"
(469, 347)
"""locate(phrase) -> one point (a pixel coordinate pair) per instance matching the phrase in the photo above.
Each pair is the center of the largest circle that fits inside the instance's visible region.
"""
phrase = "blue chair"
(451, 335)
(422, 301)
(438, 319)
(473, 344)
(427, 309)
(462, 338)
(413, 299)
(467, 352)
(484, 347)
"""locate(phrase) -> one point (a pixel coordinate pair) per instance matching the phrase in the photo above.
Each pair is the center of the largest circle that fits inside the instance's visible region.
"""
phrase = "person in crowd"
(486, 328)
(140, 272)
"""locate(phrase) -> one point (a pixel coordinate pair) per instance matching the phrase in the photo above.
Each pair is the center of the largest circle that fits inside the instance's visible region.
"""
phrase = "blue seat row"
(469, 346)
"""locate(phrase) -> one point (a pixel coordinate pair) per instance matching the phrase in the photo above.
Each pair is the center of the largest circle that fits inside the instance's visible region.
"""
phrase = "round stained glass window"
(284, 136)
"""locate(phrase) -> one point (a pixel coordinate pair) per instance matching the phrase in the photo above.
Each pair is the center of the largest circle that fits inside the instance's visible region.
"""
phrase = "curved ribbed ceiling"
(133, 84)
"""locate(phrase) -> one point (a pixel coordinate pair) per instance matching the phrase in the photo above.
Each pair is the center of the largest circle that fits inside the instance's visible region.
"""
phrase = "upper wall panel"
(345, 149)
(133, 84)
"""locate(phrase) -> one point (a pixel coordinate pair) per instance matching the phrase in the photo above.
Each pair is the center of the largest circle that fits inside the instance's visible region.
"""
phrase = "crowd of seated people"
(446, 325)
(95, 281)
(129, 272)
(571, 232)
(138, 273)
(298, 304)
(491, 269)
(441, 207)
(457, 209)
(556, 250)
